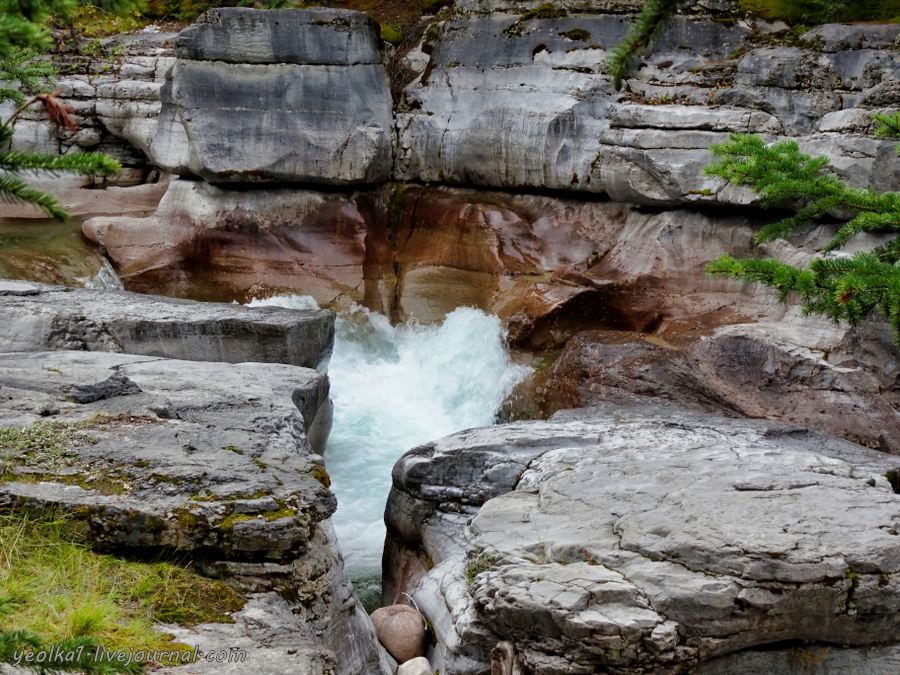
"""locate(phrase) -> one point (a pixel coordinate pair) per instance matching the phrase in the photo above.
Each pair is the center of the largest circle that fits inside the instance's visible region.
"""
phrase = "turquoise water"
(395, 387)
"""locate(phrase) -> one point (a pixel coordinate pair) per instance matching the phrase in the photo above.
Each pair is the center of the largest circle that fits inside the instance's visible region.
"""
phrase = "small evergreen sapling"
(646, 27)
(835, 284)
(13, 187)
(22, 38)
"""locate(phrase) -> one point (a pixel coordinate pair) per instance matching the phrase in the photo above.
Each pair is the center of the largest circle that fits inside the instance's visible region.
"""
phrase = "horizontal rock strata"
(520, 101)
(284, 95)
(212, 243)
(36, 316)
(209, 459)
(643, 539)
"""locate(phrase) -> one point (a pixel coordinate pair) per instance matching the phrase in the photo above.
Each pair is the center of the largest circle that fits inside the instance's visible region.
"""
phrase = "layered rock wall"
(281, 96)
(512, 96)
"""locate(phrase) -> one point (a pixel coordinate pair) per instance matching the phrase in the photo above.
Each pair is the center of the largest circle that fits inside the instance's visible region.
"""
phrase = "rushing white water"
(106, 277)
(396, 387)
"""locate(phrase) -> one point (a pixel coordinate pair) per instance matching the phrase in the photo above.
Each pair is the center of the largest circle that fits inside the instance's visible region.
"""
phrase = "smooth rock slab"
(284, 96)
(642, 538)
(318, 36)
(37, 316)
(187, 454)
(223, 244)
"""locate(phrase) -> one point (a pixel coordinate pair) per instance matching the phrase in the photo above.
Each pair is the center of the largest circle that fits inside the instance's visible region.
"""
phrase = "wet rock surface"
(37, 316)
(213, 243)
(645, 539)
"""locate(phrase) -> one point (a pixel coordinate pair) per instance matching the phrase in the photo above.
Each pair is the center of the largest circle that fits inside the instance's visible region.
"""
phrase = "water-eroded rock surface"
(643, 539)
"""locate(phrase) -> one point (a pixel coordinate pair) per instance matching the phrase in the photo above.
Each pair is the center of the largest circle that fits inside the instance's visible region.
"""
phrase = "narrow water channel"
(45, 250)
(396, 387)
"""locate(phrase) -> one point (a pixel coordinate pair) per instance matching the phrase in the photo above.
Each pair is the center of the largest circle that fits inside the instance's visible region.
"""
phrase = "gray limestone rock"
(212, 460)
(188, 454)
(285, 96)
(510, 102)
(327, 631)
(266, 637)
(801, 660)
(318, 36)
(57, 317)
(646, 539)
(836, 37)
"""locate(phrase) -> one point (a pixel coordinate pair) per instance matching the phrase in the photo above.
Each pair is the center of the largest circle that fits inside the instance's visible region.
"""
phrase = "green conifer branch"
(33, 76)
(864, 222)
(889, 252)
(86, 163)
(654, 14)
(14, 189)
(887, 125)
(842, 288)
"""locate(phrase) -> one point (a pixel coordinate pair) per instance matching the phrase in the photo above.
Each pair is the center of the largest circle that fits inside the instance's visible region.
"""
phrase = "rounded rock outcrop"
(401, 629)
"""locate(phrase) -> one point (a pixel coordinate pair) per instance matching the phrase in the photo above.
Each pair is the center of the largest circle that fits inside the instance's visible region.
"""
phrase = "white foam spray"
(396, 387)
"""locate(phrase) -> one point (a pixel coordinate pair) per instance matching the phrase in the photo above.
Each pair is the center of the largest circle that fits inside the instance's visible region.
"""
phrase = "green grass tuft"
(478, 565)
(545, 11)
(54, 586)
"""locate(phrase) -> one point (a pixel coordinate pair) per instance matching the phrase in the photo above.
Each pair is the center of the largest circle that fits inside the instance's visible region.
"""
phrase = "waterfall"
(105, 277)
(395, 387)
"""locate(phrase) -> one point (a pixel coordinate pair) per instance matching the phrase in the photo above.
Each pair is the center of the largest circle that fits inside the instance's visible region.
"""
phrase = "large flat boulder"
(181, 447)
(285, 96)
(37, 316)
(212, 460)
(644, 539)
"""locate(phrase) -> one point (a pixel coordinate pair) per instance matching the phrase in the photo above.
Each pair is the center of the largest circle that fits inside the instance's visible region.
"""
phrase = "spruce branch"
(22, 39)
(644, 30)
(85, 163)
(780, 172)
(887, 125)
(14, 189)
(33, 75)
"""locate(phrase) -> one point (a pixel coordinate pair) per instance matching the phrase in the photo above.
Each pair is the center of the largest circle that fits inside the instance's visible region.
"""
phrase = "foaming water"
(105, 277)
(396, 387)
